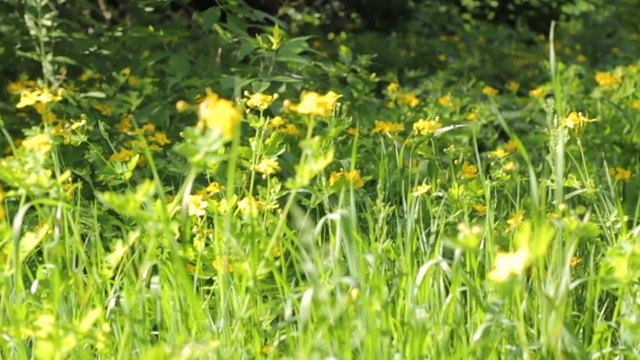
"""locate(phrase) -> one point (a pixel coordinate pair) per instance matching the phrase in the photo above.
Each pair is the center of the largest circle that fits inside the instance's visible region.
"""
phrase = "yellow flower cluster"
(575, 120)
(426, 127)
(383, 127)
(313, 103)
(352, 176)
(606, 79)
(260, 101)
(266, 167)
(44, 96)
(490, 91)
(619, 173)
(218, 114)
(469, 171)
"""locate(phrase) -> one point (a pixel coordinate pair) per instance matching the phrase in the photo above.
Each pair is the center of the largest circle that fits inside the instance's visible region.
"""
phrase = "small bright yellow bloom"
(537, 92)
(421, 189)
(471, 116)
(512, 145)
(313, 103)
(445, 100)
(352, 131)
(469, 171)
(575, 261)
(513, 86)
(606, 79)
(509, 166)
(182, 106)
(576, 121)
(480, 208)
(40, 142)
(383, 127)
(619, 173)
(122, 155)
(352, 176)
(490, 91)
(500, 153)
(196, 205)
(44, 96)
(249, 206)
(291, 129)
(223, 265)
(124, 124)
(393, 86)
(267, 167)
(218, 114)
(160, 137)
(516, 219)
(275, 122)
(425, 127)
(508, 264)
(409, 99)
(260, 101)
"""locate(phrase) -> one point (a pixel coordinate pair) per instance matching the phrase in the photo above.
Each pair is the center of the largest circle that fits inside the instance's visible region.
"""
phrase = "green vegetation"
(240, 184)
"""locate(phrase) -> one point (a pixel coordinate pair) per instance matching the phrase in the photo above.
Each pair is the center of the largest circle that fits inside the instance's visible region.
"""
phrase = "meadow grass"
(447, 219)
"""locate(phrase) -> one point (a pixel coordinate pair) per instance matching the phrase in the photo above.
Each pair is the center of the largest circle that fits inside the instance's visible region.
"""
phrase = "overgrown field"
(236, 184)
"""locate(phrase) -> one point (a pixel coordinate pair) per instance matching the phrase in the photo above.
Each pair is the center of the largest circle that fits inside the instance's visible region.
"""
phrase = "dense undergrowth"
(236, 184)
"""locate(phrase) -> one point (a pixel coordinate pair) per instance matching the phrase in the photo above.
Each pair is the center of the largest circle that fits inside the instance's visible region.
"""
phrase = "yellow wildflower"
(469, 171)
(575, 261)
(507, 264)
(133, 81)
(266, 167)
(352, 131)
(581, 58)
(220, 115)
(223, 264)
(393, 86)
(122, 155)
(182, 106)
(409, 99)
(40, 142)
(196, 205)
(352, 176)
(44, 96)
(490, 91)
(275, 122)
(575, 120)
(291, 129)
(513, 86)
(421, 189)
(425, 127)
(472, 115)
(313, 103)
(509, 166)
(260, 101)
(442, 57)
(248, 205)
(445, 100)
(214, 188)
(500, 153)
(512, 145)
(606, 79)
(516, 219)
(383, 127)
(619, 173)
(103, 109)
(480, 208)
(160, 137)
(124, 124)
(17, 86)
(537, 92)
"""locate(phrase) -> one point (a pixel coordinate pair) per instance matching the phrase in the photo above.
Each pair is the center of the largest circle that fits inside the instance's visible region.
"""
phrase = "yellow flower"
(445, 100)
(442, 57)
(182, 106)
(409, 99)
(291, 129)
(214, 188)
(223, 264)
(44, 96)
(619, 173)
(313, 103)
(40, 142)
(352, 176)
(160, 137)
(133, 81)
(537, 92)
(393, 86)
(20, 85)
(500, 153)
(267, 167)
(507, 264)
(509, 166)
(425, 127)
(196, 205)
(490, 91)
(248, 206)
(606, 79)
(421, 190)
(383, 127)
(512, 145)
(123, 155)
(352, 131)
(516, 219)
(124, 124)
(469, 171)
(471, 116)
(103, 109)
(575, 261)
(575, 120)
(275, 122)
(480, 208)
(260, 101)
(581, 58)
(513, 86)
(220, 115)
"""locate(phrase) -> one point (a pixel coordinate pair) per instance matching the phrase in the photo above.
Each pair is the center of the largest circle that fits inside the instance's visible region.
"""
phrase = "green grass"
(144, 217)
